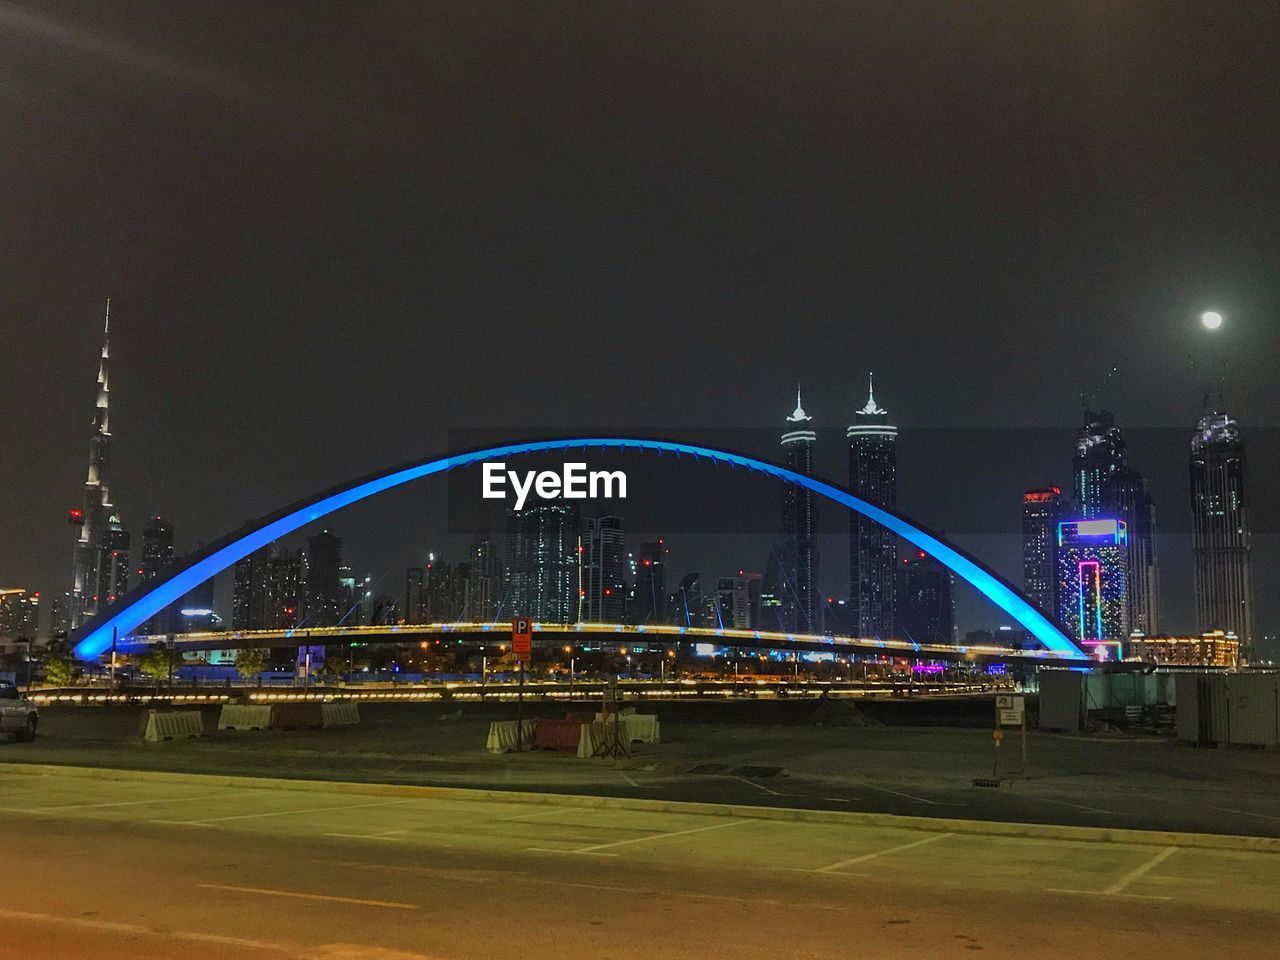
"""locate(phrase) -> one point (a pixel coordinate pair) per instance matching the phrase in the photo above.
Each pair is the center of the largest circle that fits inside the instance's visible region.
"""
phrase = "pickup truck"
(17, 714)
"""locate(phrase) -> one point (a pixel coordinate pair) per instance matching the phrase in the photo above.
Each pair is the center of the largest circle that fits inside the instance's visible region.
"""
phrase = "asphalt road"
(732, 753)
(199, 869)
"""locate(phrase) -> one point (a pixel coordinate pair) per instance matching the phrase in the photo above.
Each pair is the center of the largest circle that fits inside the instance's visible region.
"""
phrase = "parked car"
(18, 715)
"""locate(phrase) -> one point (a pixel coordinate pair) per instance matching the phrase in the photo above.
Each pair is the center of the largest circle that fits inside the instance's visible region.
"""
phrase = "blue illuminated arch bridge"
(95, 636)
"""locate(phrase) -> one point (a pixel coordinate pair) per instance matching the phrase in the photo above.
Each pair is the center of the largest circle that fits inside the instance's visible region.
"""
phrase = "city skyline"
(1099, 434)
(994, 265)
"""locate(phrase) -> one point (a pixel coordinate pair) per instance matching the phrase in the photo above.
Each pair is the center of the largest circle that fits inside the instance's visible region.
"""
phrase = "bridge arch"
(95, 637)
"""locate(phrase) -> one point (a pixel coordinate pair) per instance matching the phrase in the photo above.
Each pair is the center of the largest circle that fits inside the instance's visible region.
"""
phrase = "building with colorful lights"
(1215, 649)
(1093, 585)
(1105, 484)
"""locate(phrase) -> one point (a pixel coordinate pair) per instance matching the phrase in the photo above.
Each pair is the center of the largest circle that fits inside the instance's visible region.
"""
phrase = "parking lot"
(182, 864)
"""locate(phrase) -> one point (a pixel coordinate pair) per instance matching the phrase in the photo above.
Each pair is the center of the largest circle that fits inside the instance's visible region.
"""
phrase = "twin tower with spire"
(873, 550)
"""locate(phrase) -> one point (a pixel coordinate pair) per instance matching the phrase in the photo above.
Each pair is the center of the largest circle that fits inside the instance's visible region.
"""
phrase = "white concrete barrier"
(240, 716)
(603, 739)
(340, 713)
(167, 724)
(641, 727)
(502, 735)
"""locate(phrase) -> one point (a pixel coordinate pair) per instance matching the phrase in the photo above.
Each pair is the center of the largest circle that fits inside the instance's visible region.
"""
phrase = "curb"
(989, 828)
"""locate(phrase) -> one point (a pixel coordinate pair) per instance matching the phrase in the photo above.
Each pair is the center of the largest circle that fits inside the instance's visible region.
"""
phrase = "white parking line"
(530, 816)
(267, 892)
(386, 835)
(206, 821)
(834, 867)
(115, 803)
(759, 786)
(1117, 889)
(909, 796)
(594, 849)
(1068, 803)
(1137, 872)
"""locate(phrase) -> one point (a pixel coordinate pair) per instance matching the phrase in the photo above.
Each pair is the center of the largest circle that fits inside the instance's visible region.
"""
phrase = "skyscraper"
(1106, 485)
(19, 617)
(925, 606)
(113, 563)
(798, 561)
(157, 559)
(1093, 584)
(326, 604)
(1220, 529)
(413, 610)
(157, 548)
(738, 601)
(604, 585)
(651, 584)
(1133, 505)
(1099, 455)
(249, 596)
(96, 507)
(544, 568)
(437, 590)
(873, 476)
(284, 588)
(1041, 512)
(687, 608)
(486, 578)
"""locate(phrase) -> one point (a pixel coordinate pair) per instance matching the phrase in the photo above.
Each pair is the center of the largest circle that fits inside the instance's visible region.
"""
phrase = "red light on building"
(75, 517)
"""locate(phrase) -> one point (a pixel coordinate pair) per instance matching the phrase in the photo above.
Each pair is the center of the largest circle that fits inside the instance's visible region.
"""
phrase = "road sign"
(522, 638)
(1010, 710)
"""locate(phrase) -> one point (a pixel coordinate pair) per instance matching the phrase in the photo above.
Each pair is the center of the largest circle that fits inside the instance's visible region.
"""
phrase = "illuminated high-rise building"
(1106, 485)
(113, 563)
(798, 562)
(604, 583)
(650, 591)
(413, 610)
(1093, 584)
(157, 560)
(1041, 511)
(687, 606)
(326, 603)
(284, 588)
(92, 517)
(924, 601)
(544, 570)
(1220, 530)
(249, 595)
(19, 618)
(486, 579)
(1099, 455)
(873, 550)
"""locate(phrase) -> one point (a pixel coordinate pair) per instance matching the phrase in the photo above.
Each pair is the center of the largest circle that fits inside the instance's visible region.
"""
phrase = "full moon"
(1211, 319)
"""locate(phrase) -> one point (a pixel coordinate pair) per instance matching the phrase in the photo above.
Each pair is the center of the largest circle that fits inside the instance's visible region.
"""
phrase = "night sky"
(337, 236)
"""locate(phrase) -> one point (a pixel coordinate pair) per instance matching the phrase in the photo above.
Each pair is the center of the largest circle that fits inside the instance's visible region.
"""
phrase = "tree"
(155, 663)
(58, 669)
(251, 661)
